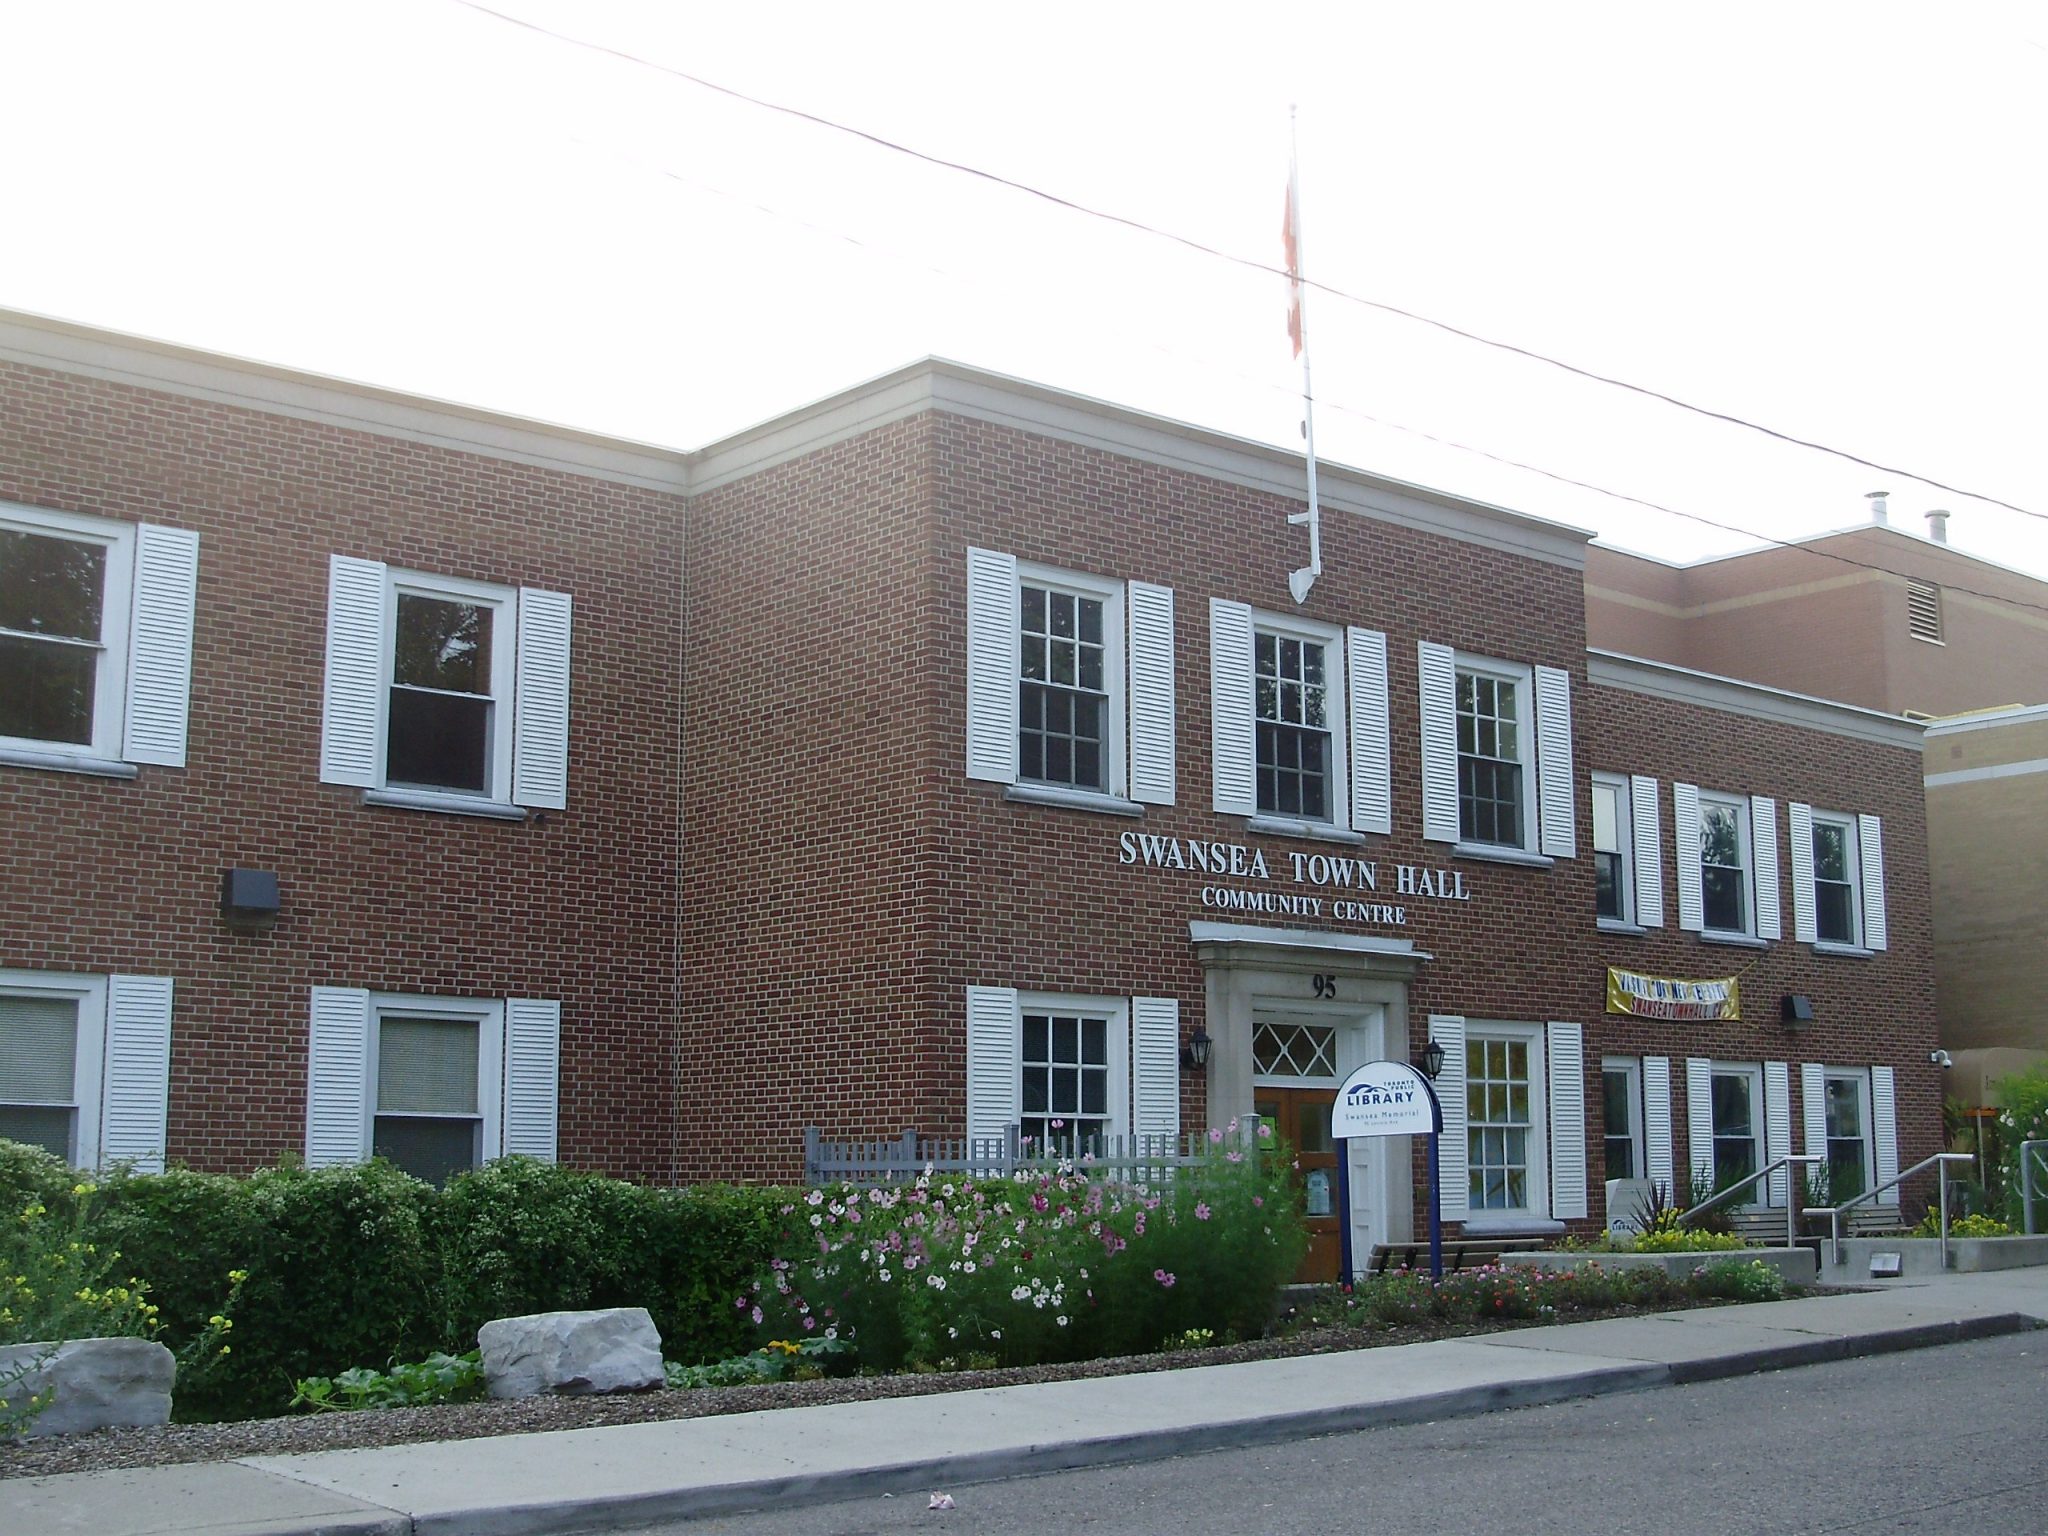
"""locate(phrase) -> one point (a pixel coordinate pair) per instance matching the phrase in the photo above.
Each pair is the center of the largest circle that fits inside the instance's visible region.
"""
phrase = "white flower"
(1062, 1322)
(936, 1282)
(995, 1333)
(817, 1220)
(815, 1197)
(882, 1274)
(1020, 1293)
(966, 1266)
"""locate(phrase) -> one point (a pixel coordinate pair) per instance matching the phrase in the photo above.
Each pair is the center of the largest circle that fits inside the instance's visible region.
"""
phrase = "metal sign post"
(1387, 1098)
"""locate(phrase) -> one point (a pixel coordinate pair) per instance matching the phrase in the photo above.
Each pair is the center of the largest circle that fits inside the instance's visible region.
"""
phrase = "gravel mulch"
(169, 1444)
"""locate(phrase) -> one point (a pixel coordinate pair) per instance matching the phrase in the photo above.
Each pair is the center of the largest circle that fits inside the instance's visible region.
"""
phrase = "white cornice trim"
(1990, 719)
(1661, 680)
(42, 342)
(961, 390)
(2027, 769)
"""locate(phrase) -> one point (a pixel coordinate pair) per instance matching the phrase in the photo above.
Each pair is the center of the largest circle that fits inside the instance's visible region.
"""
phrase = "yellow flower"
(237, 1276)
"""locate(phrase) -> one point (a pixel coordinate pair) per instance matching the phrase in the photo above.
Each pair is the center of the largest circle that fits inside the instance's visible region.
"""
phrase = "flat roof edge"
(1663, 679)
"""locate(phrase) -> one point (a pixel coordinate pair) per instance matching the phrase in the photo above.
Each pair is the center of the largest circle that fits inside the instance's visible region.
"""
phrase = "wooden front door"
(1301, 1119)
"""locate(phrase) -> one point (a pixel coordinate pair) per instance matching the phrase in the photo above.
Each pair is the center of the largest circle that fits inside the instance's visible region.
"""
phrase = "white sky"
(1827, 218)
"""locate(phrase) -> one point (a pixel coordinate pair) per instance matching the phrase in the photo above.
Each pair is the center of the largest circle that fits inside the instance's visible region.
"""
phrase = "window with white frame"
(1069, 1071)
(443, 693)
(1295, 738)
(1621, 1097)
(1838, 898)
(1834, 879)
(1497, 774)
(1299, 716)
(1724, 863)
(435, 1084)
(1069, 685)
(1493, 752)
(85, 1065)
(1613, 851)
(1737, 1120)
(1504, 1119)
(1848, 1123)
(95, 640)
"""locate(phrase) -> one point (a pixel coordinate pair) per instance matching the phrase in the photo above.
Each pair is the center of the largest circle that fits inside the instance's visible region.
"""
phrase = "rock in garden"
(95, 1383)
(614, 1350)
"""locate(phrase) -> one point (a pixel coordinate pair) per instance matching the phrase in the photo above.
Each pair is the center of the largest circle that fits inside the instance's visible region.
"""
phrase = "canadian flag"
(1290, 244)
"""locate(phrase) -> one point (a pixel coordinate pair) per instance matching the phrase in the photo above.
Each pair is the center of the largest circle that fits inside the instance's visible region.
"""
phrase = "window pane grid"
(1724, 880)
(1834, 894)
(1063, 700)
(1497, 1123)
(52, 596)
(1489, 760)
(442, 708)
(1065, 1080)
(1292, 747)
(1734, 1113)
(1294, 1050)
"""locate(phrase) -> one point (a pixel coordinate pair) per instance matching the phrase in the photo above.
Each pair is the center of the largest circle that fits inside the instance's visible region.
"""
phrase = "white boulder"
(613, 1350)
(94, 1383)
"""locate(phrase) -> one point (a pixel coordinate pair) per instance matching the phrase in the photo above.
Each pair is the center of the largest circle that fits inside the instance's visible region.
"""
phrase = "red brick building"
(947, 755)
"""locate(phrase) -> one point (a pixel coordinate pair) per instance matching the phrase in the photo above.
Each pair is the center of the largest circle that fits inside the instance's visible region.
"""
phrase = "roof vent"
(1878, 513)
(1937, 526)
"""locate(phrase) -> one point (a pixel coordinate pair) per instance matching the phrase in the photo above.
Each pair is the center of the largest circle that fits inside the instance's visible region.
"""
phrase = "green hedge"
(364, 1265)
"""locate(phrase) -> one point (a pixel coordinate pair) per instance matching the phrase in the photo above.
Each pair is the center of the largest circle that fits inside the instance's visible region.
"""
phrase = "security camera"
(1941, 1059)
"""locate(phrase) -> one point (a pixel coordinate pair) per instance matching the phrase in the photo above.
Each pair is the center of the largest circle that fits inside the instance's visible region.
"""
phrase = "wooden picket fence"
(1123, 1159)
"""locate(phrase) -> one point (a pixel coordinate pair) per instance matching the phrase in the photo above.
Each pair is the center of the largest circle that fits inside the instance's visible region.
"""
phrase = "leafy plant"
(1737, 1280)
(440, 1378)
(57, 1283)
(1962, 1226)
(1685, 1240)
(777, 1360)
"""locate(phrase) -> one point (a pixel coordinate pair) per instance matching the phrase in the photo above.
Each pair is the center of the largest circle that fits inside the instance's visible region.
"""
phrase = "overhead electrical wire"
(1249, 263)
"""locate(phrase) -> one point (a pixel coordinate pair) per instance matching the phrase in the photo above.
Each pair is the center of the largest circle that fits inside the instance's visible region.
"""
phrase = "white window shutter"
(994, 659)
(135, 1103)
(1763, 847)
(1437, 668)
(1813, 1106)
(1149, 612)
(1155, 1072)
(1372, 747)
(533, 1064)
(995, 1047)
(352, 715)
(1685, 848)
(1777, 1125)
(1566, 1050)
(1699, 1118)
(1657, 1120)
(1647, 827)
(1556, 790)
(338, 1077)
(1235, 790)
(1870, 834)
(540, 714)
(1805, 924)
(1453, 1161)
(160, 645)
(1884, 1125)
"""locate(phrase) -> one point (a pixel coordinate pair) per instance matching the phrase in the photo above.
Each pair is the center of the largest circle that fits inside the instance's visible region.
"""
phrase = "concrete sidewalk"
(592, 1479)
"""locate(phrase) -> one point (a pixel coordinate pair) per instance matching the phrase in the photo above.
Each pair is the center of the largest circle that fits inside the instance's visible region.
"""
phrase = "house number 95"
(1326, 986)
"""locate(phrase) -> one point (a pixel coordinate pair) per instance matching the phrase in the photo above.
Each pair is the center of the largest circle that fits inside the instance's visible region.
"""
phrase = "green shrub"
(59, 1281)
(1684, 1240)
(1049, 1265)
(440, 1378)
(1737, 1280)
(2022, 1116)
(1962, 1226)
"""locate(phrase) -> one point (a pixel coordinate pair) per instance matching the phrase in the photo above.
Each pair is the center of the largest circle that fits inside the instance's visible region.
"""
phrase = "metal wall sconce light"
(1432, 1063)
(1194, 1056)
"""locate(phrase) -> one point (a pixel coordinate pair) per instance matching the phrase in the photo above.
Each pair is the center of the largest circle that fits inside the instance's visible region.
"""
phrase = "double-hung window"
(1069, 685)
(1069, 1073)
(95, 641)
(1621, 1098)
(1847, 1114)
(1496, 756)
(1852, 1121)
(1727, 1115)
(1727, 864)
(85, 1065)
(1515, 1118)
(1503, 1098)
(1299, 723)
(1837, 880)
(444, 694)
(1612, 855)
(435, 1084)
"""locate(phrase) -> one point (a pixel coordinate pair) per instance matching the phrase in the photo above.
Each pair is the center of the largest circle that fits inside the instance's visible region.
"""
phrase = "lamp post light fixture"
(1432, 1063)
(1194, 1056)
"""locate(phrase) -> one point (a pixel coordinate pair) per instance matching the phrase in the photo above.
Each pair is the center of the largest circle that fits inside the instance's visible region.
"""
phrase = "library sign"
(1322, 887)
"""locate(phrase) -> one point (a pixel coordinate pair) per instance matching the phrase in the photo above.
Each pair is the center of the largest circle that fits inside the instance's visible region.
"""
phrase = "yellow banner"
(1667, 997)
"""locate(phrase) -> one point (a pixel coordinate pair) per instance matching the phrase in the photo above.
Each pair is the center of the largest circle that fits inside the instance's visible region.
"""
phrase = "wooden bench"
(1459, 1253)
(1765, 1228)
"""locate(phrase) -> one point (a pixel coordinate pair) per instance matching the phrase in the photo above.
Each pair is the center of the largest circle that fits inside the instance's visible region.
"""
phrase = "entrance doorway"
(1301, 1118)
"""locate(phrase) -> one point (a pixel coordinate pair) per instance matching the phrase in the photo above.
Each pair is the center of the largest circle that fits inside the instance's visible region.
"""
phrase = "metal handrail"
(2030, 1154)
(1722, 1197)
(1834, 1213)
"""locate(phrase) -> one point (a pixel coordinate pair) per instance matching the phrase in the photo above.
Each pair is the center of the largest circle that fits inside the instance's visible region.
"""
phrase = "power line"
(1251, 264)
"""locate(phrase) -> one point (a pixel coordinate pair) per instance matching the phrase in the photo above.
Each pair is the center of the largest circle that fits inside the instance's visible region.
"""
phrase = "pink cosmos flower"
(1163, 1277)
(1202, 1211)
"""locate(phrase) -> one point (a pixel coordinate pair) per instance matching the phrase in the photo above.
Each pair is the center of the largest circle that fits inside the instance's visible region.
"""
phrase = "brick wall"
(104, 875)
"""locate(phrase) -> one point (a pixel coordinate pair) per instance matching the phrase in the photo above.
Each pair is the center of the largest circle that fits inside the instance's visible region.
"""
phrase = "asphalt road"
(1950, 1440)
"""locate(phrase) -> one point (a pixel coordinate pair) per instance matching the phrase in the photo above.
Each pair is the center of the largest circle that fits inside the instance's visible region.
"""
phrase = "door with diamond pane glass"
(1295, 1070)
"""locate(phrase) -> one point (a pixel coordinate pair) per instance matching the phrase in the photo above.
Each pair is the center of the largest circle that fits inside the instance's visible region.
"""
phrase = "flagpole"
(1299, 582)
